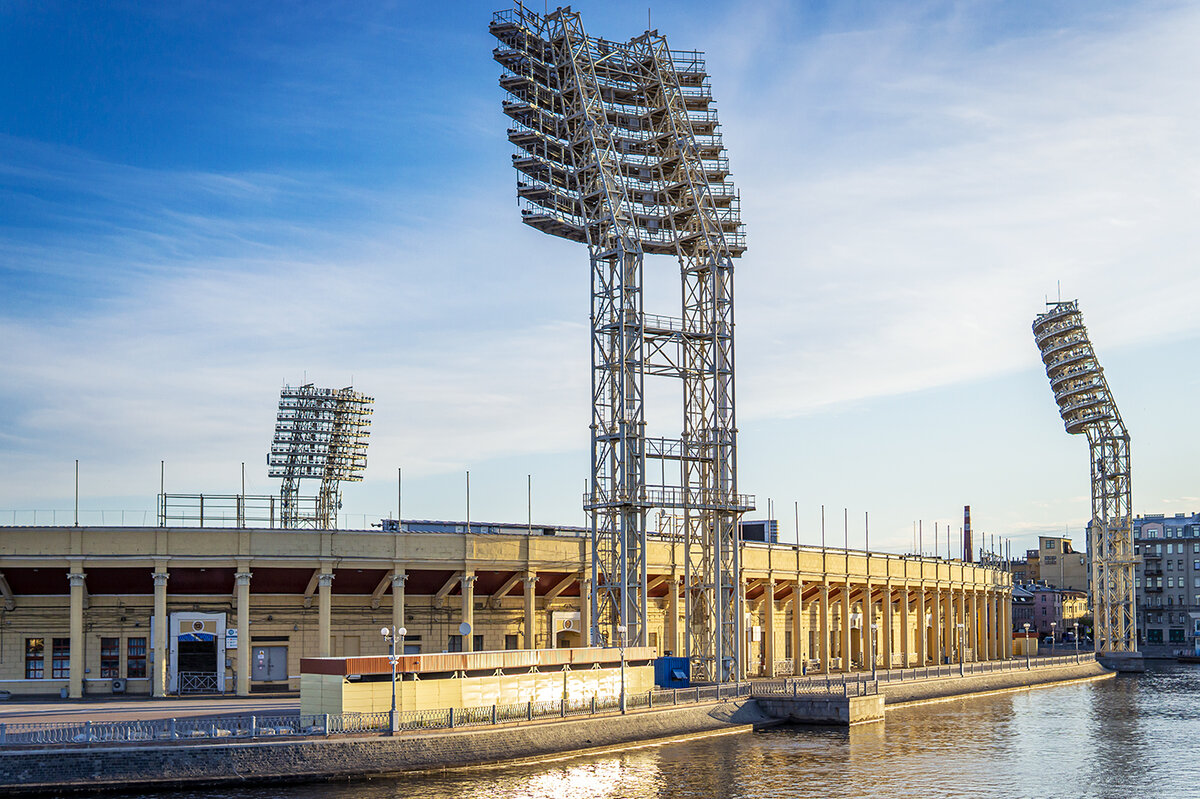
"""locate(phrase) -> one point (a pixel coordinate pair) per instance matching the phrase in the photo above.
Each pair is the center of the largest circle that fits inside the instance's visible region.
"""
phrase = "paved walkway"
(21, 711)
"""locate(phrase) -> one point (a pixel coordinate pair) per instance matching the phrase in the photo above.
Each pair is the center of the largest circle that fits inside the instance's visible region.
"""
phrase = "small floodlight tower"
(618, 147)
(1087, 406)
(319, 433)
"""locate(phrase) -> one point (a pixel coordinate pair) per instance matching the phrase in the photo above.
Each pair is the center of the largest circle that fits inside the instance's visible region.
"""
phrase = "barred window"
(60, 659)
(135, 658)
(35, 658)
(110, 658)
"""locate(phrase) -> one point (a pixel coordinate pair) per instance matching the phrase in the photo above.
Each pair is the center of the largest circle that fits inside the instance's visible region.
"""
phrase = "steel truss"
(319, 433)
(618, 148)
(1087, 406)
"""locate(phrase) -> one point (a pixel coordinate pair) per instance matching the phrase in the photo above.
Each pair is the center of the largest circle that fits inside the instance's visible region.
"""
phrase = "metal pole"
(468, 501)
(77, 492)
(399, 498)
(529, 503)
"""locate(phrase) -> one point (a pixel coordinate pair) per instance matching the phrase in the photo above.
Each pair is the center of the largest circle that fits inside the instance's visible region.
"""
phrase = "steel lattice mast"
(619, 148)
(319, 433)
(1087, 406)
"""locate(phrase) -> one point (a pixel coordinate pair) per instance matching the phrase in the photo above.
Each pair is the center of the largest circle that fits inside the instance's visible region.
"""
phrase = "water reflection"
(1130, 736)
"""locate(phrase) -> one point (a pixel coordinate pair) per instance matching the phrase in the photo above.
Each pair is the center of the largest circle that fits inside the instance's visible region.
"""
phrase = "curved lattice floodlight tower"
(618, 148)
(320, 433)
(1087, 407)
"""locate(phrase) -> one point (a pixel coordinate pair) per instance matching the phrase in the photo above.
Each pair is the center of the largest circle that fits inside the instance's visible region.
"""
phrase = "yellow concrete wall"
(333, 694)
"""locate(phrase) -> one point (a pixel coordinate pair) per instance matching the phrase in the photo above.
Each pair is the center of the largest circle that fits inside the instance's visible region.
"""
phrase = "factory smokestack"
(968, 550)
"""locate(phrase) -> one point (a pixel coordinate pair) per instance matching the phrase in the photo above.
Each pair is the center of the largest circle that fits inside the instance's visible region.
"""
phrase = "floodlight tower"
(1087, 406)
(618, 148)
(319, 433)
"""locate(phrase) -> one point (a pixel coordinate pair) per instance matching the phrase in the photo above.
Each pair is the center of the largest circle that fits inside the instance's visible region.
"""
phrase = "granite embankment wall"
(899, 694)
(60, 770)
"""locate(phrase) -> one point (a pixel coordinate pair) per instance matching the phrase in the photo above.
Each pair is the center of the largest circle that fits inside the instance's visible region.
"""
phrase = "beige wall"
(293, 619)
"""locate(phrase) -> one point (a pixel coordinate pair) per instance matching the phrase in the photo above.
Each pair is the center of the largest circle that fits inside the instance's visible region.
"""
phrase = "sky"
(203, 201)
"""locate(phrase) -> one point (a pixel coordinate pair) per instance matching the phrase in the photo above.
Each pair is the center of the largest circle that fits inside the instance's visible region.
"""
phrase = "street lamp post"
(1027, 665)
(1053, 637)
(1075, 635)
(621, 630)
(392, 635)
(962, 649)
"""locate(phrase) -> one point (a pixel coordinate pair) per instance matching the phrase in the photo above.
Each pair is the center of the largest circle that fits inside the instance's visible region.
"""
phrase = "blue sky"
(202, 201)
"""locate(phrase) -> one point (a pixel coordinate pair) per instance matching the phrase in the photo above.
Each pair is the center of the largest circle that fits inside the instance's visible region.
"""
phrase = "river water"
(1132, 736)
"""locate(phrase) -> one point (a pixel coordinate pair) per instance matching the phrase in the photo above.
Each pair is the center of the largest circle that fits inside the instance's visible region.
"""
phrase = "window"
(1050, 544)
(1154, 636)
(1177, 636)
(477, 642)
(35, 658)
(1170, 565)
(60, 662)
(454, 643)
(110, 658)
(510, 641)
(1170, 548)
(1196, 547)
(135, 658)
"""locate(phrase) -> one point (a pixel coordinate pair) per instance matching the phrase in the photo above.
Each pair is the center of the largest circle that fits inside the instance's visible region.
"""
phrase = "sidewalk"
(24, 711)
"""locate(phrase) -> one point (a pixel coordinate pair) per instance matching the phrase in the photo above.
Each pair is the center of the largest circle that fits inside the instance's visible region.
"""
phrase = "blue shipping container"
(672, 672)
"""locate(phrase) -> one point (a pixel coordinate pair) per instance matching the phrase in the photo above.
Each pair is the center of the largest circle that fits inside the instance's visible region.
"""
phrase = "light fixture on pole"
(1027, 645)
(621, 630)
(1075, 635)
(1053, 637)
(392, 635)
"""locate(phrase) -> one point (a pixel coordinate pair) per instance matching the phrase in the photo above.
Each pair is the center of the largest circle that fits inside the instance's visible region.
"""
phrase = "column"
(585, 607)
(468, 609)
(768, 608)
(530, 603)
(948, 630)
(905, 627)
(960, 637)
(1008, 624)
(324, 612)
(242, 583)
(672, 631)
(935, 624)
(825, 627)
(798, 642)
(974, 639)
(743, 646)
(887, 625)
(870, 638)
(75, 682)
(158, 686)
(922, 628)
(845, 627)
(399, 578)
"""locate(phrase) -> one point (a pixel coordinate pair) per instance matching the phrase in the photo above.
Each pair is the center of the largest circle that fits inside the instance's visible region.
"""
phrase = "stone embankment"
(911, 692)
(58, 770)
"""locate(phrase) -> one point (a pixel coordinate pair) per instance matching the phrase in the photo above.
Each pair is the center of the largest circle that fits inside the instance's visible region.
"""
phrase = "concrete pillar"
(585, 607)
(75, 682)
(242, 588)
(948, 629)
(870, 637)
(158, 686)
(824, 628)
(974, 636)
(887, 625)
(672, 632)
(324, 613)
(935, 623)
(905, 628)
(960, 636)
(922, 629)
(768, 609)
(530, 595)
(1008, 625)
(844, 621)
(468, 609)
(743, 645)
(399, 578)
(798, 642)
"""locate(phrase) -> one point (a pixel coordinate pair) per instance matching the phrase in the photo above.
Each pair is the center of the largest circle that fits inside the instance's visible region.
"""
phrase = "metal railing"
(251, 727)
